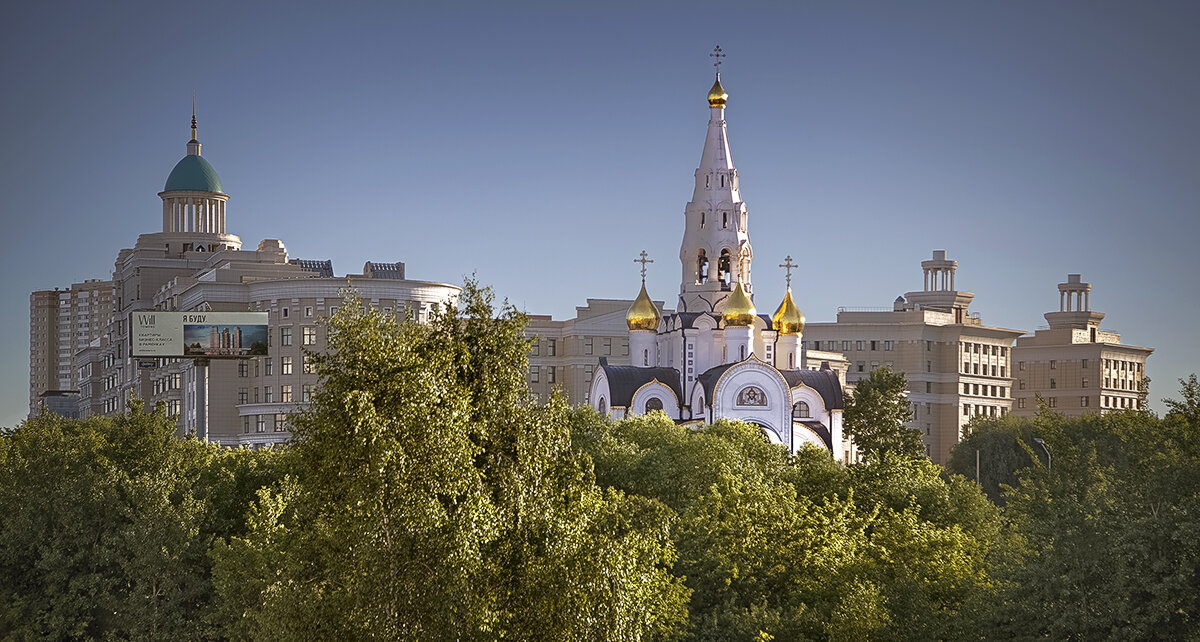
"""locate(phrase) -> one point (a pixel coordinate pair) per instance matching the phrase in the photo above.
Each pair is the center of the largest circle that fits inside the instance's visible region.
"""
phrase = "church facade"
(715, 357)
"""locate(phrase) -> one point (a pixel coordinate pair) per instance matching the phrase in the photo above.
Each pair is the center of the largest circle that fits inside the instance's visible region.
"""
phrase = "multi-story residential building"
(61, 323)
(1073, 365)
(956, 366)
(194, 264)
(565, 353)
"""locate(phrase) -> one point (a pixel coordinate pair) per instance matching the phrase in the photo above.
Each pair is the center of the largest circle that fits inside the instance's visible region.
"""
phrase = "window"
(858, 345)
(255, 395)
(1085, 364)
(1052, 402)
(309, 336)
(607, 345)
(268, 394)
(928, 346)
(285, 336)
(308, 365)
(966, 410)
(967, 367)
(1020, 384)
(283, 313)
(267, 366)
(874, 345)
(1020, 365)
(552, 348)
(285, 365)
(280, 422)
(1084, 383)
(285, 393)
(993, 371)
(1053, 384)
(845, 345)
(536, 348)
(929, 386)
(550, 374)
(861, 365)
(246, 424)
(306, 392)
(260, 423)
(654, 403)
(928, 366)
(243, 369)
(887, 345)
(1083, 401)
(966, 388)
(587, 345)
(1002, 371)
(975, 367)
(1053, 364)
(1021, 402)
(534, 374)
(587, 373)
(308, 311)
(800, 411)
(242, 395)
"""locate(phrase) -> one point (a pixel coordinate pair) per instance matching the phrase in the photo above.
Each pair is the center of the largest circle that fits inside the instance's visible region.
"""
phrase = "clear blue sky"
(542, 146)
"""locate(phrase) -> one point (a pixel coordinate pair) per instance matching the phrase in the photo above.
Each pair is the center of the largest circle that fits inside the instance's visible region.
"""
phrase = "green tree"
(105, 525)
(875, 415)
(433, 500)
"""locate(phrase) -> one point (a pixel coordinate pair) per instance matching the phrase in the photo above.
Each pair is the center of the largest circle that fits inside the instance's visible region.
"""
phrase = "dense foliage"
(427, 497)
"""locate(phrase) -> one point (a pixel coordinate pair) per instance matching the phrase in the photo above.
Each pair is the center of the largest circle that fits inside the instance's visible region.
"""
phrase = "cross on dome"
(788, 265)
(643, 261)
(717, 53)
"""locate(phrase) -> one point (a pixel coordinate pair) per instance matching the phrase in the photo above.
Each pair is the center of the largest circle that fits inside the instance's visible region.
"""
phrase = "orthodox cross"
(717, 53)
(788, 265)
(643, 261)
(193, 115)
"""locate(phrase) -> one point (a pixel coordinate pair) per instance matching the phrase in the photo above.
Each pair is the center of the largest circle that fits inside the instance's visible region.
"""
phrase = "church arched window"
(653, 403)
(724, 219)
(800, 411)
(723, 268)
(645, 357)
(701, 266)
(603, 406)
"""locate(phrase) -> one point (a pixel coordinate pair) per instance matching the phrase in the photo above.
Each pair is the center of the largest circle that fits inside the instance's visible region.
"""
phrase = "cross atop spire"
(788, 265)
(643, 261)
(193, 116)
(717, 53)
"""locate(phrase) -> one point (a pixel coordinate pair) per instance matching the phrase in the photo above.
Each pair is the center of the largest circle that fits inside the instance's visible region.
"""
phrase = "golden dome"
(788, 319)
(642, 315)
(738, 309)
(717, 95)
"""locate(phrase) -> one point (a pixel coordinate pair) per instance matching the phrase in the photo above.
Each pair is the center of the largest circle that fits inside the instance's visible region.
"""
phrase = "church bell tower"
(716, 250)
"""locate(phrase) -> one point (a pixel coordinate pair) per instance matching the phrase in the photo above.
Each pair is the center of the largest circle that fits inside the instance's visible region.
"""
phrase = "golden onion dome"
(717, 95)
(642, 315)
(738, 309)
(788, 319)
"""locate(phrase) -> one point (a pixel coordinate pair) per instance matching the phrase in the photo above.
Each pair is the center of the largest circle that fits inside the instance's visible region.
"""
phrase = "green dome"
(193, 174)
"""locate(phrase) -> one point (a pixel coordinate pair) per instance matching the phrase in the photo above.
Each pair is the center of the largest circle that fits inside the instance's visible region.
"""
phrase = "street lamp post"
(1049, 460)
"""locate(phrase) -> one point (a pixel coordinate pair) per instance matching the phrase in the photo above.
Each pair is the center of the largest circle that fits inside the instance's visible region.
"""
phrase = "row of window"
(986, 411)
(268, 394)
(984, 369)
(984, 390)
(535, 374)
(848, 345)
(551, 347)
(984, 349)
(278, 423)
(285, 366)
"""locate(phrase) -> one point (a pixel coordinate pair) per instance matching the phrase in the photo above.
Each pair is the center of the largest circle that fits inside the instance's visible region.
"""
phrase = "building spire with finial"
(193, 145)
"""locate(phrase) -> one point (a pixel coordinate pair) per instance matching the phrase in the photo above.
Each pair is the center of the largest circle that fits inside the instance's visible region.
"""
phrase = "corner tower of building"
(716, 250)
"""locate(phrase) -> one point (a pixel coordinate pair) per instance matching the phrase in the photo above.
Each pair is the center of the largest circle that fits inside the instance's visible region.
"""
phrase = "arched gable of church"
(754, 392)
(655, 395)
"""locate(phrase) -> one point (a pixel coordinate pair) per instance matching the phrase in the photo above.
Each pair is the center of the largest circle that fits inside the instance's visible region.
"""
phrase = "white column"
(952, 280)
(926, 280)
(1087, 305)
(1062, 306)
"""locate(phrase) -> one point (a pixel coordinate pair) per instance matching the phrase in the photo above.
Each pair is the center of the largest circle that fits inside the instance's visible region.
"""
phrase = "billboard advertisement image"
(214, 335)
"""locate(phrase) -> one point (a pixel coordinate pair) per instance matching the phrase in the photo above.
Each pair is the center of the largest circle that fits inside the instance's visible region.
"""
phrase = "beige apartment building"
(565, 354)
(957, 367)
(63, 321)
(1073, 365)
(80, 336)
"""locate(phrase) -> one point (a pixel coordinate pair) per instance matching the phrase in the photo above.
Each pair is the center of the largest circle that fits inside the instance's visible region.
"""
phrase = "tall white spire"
(716, 250)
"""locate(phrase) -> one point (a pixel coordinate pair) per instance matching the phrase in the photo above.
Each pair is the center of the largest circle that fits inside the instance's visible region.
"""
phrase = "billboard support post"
(201, 366)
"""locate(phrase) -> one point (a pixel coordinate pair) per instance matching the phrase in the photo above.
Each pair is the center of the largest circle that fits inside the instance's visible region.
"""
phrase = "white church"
(716, 357)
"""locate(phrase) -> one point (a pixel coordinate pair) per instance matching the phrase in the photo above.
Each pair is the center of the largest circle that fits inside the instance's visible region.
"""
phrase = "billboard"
(211, 335)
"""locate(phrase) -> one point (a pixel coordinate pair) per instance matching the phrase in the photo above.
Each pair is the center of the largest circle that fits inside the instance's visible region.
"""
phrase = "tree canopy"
(875, 415)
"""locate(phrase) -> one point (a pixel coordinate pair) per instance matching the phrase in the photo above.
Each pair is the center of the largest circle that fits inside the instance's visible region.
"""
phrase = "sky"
(542, 146)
